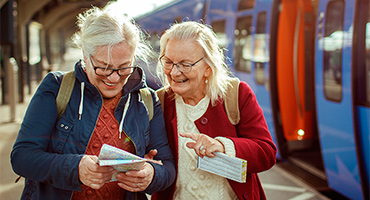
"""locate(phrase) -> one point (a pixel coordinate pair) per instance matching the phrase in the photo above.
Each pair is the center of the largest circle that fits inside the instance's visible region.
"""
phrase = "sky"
(136, 8)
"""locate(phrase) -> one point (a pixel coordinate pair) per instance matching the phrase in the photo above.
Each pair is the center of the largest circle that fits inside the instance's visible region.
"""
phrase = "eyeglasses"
(105, 71)
(182, 67)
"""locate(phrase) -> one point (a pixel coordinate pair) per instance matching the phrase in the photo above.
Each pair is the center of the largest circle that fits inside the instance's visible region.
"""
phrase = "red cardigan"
(251, 138)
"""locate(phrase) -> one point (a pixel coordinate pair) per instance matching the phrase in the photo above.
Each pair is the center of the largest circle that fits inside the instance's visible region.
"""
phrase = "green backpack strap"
(160, 93)
(65, 92)
(232, 102)
(146, 96)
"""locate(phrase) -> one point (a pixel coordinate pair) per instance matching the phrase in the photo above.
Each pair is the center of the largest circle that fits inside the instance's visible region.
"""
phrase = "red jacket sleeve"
(254, 142)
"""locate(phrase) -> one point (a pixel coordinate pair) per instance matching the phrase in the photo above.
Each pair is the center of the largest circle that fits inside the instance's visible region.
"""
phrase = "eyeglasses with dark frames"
(182, 67)
(105, 71)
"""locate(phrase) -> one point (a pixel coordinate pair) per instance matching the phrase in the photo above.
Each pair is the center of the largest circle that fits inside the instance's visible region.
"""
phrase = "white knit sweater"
(193, 183)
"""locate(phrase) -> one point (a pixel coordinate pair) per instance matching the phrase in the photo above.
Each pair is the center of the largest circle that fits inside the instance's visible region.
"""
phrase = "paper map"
(120, 159)
(224, 165)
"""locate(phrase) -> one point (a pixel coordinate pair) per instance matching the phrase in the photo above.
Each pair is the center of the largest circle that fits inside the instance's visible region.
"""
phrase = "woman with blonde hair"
(196, 84)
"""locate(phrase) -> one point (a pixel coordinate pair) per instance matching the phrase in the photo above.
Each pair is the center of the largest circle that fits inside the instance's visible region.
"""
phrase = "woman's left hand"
(203, 145)
(136, 181)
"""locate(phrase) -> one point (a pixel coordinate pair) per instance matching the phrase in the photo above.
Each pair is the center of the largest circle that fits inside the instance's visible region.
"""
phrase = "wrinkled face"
(189, 85)
(120, 56)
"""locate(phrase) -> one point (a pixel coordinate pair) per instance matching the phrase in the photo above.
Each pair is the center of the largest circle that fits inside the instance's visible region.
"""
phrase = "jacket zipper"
(101, 107)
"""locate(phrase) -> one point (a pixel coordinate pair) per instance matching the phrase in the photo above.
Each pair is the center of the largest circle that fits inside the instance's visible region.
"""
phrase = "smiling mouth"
(110, 84)
(180, 81)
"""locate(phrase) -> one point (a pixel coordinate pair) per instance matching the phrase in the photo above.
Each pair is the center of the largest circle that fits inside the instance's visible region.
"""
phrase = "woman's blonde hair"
(101, 27)
(218, 81)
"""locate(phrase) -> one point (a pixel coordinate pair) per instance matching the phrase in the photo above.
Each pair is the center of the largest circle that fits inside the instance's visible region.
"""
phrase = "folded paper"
(224, 165)
(120, 159)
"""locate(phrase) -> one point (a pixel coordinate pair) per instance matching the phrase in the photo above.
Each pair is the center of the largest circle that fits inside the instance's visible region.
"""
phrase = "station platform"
(278, 183)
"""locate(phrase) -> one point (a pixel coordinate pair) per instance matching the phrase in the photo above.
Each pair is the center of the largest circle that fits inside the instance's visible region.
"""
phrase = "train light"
(300, 132)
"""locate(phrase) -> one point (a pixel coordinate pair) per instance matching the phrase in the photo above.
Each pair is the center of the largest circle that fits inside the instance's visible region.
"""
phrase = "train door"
(361, 88)
(334, 96)
(293, 83)
(251, 52)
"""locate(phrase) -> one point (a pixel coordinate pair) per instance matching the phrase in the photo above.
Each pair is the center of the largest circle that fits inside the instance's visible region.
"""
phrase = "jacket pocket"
(62, 131)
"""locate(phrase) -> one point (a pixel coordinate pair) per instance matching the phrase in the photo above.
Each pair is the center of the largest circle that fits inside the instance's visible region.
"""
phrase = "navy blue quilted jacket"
(47, 151)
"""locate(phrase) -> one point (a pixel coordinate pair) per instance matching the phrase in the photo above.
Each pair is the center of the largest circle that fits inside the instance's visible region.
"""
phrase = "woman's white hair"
(101, 27)
(219, 80)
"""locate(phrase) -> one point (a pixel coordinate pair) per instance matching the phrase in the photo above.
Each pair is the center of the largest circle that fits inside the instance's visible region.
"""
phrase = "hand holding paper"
(135, 181)
(120, 159)
(89, 170)
(211, 157)
(150, 155)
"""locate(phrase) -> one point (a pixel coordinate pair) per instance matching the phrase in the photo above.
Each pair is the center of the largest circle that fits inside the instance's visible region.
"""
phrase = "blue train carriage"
(342, 80)
(308, 64)
(316, 77)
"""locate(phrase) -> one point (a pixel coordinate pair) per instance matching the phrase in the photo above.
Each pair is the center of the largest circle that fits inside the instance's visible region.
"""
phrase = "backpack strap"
(232, 101)
(160, 94)
(146, 96)
(65, 91)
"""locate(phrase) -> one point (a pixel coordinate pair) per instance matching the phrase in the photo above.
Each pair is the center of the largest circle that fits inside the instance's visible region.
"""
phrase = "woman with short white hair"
(57, 152)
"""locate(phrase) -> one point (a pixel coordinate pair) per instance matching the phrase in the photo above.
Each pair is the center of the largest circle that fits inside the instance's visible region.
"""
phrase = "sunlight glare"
(138, 7)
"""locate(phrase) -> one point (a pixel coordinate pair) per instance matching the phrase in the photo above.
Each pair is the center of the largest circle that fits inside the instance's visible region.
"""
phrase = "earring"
(206, 81)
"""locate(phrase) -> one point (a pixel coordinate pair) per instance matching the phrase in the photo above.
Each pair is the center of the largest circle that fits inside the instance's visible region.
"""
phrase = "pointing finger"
(192, 136)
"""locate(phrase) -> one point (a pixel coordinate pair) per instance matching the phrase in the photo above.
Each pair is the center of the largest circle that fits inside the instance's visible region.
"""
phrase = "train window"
(243, 44)
(260, 54)
(219, 29)
(333, 46)
(246, 4)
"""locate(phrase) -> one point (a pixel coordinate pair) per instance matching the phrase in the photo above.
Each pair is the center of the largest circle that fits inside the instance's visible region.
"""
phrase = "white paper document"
(120, 159)
(224, 165)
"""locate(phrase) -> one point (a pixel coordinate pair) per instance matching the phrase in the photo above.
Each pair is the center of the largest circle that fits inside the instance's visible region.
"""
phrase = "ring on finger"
(138, 185)
(201, 148)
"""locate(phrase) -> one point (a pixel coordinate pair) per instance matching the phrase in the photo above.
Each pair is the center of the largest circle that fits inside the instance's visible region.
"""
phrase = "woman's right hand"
(150, 155)
(203, 145)
(92, 174)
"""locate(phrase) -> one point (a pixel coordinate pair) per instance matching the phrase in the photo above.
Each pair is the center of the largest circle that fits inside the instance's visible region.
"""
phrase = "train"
(308, 62)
